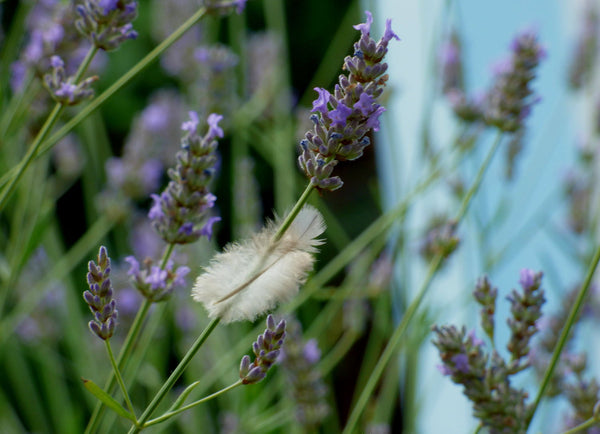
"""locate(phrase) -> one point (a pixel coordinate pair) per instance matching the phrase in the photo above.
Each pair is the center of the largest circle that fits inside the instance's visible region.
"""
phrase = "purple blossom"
(339, 134)
(311, 351)
(179, 213)
(213, 125)
(156, 283)
(322, 101)
(527, 278)
(107, 23)
(461, 363)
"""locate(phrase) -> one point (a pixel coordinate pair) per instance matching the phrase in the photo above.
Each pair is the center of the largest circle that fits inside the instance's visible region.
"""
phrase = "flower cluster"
(298, 360)
(179, 213)
(99, 297)
(485, 377)
(510, 100)
(266, 349)
(154, 282)
(441, 239)
(586, 51)
(343, 119)
(63, 89)
(485, 294)
(526, 309)
(450, 61)
(107, 23)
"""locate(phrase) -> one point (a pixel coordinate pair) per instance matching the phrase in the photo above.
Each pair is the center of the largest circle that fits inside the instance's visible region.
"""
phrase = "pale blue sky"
(487, 28)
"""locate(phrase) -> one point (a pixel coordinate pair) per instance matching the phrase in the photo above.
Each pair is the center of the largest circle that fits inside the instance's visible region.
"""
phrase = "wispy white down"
(253, 276)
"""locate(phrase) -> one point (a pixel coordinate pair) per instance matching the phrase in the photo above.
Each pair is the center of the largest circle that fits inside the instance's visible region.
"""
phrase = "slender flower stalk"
(396, 338)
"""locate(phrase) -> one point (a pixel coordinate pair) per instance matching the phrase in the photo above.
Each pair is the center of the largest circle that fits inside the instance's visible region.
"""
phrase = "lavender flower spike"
(155, 283)
(266, 349)
(179, 214)
(100, 297)
(510, 100)
(107, 23)
(343, 119)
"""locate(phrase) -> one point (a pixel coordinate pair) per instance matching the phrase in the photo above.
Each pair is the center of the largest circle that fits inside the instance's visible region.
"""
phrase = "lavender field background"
(484, 163)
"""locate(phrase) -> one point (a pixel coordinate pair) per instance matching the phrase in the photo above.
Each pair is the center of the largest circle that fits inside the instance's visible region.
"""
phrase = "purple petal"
(365, 28)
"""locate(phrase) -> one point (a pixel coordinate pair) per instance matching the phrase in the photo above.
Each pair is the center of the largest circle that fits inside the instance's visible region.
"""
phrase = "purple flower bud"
(99, 297)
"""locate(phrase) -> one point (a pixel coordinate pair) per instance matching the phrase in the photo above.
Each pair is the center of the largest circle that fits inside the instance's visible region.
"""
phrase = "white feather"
(255, 275)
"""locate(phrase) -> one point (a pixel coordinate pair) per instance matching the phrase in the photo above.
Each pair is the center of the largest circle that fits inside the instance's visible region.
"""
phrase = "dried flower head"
(255, 275)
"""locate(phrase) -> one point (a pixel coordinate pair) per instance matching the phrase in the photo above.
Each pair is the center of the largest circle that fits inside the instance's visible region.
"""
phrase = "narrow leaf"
(180, 400)
(108, 400)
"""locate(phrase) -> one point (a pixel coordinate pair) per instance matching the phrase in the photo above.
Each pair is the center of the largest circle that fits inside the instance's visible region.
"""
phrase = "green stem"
(193, 404)
(564, 335)
(174, 376)
(396, 338)
(117, 374)
(587, 424)
(294, 212)
(127, 348)
(115, 87)
(337, 353)
(132, 335)
(46, 128)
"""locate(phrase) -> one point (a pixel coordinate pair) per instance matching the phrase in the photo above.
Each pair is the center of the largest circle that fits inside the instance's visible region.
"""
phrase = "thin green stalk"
(123, 354)
(585, 425)
(39, 140)
(127, 348)
(562, 340)
(115, 87)
(185, 361)
(396, 338)
(294, 212)
(170, 414)
(117, 374)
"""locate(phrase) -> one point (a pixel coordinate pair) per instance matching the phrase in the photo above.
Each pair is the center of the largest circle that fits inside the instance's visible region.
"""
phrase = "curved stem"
(39, 139)
(396, 338)
(587, 424)
(564, 334)
(170, 414)
(174, 376)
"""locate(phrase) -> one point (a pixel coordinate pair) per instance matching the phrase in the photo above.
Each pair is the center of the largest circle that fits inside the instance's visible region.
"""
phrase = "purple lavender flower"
(266, 349)
(440, 238)
(179, 213)
(342, 120)
(100, 297)
(63, 89)
(510, 100)
(299, 362)
(450, 62)
(107, 23)
(155, 283)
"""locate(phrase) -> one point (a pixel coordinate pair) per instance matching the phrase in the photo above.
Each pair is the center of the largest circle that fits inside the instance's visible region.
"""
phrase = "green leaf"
(180, 400)
(108, 400)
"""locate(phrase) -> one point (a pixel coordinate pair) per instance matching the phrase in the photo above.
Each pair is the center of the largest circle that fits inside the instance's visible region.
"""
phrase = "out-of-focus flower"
(63, 89)
(179, 213)
(155, 283)
(511, 98)
(450, 61)
(298, 360)
(107, 23)
(586, 49)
